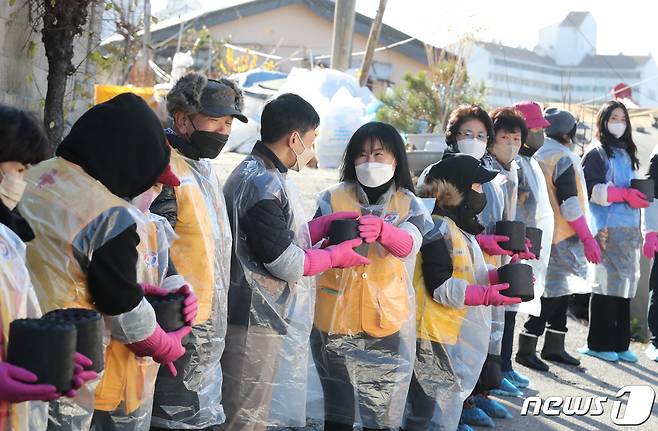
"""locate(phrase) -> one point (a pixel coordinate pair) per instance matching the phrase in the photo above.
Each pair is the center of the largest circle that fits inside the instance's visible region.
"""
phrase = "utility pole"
(373, 38)
(146, 40)
(341, 45)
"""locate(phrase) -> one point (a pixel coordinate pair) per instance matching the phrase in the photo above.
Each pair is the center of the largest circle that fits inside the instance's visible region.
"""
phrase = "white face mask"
(374, 174)
(617, 129)
(303, 158)
(505, 153)
(12, 187)
(473, 147)
(143, 202)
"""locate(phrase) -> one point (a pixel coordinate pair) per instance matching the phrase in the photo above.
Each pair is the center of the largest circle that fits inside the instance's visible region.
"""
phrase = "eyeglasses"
(469, 135)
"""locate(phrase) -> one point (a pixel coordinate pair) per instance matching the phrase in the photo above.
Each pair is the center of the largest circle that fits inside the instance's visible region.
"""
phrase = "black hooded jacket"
(121, 144)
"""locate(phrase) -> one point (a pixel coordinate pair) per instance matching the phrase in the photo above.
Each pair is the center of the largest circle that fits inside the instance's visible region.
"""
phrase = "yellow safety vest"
(369, 298)
(435, 321)
(125, 377)
(563, 229)
(193, 252)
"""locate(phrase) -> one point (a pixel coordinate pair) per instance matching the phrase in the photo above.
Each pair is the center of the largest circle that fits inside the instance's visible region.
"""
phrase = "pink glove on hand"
(335, 256)
(493, 276)
(190, 304)
(592, 250)
(18, 384)
(483, 295)
(80, 375)
(527, 254)
(489, 244)
(163, 347)
(392, 238)
(634, 198)
(319, 228)
(650, 245)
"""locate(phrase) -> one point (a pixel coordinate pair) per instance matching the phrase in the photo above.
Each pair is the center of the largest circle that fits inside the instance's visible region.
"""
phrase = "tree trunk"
(373, 38)
(62, 21)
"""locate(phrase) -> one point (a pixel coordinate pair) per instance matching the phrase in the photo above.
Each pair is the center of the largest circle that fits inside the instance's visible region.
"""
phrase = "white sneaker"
(652, 352)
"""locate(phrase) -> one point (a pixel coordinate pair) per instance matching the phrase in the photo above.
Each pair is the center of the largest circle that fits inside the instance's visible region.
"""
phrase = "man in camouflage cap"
(202, 111)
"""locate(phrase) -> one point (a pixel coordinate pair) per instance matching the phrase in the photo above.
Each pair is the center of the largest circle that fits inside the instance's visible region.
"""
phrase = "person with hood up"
(124, 397)
(23, 404)
(533, 208)
(271, 294)
(86, 232)
(202, 111)
(454, 289)
(610, 164)
(572, 244)
(363, 332)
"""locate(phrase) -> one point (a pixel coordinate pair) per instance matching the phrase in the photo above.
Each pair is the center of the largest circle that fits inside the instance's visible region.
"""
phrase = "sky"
(629, 27)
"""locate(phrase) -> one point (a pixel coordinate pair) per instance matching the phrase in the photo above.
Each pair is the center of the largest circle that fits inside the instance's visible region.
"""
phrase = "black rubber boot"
(527, 353)
(554, 349)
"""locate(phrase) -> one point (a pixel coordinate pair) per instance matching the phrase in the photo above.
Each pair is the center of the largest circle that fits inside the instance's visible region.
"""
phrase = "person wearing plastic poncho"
(202, 111)
(270, 300)
(572, 243)
(650, 249)
(452, 282)
(533, 208)
(510, 131)
(22, 406)
(363, 337)
(124, 398)
(85, 249)
(470, 131)
(609, 166)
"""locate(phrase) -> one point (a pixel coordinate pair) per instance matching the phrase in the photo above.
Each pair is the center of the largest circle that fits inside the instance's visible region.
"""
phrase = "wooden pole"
(373, 38)
(341, 46)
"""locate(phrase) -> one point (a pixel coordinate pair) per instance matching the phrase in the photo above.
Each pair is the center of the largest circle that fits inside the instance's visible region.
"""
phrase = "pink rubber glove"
(17, 385)
(592, 250)
(335, 256)
(80, 375)
(483, 295)
(634, 198)
(163, 347)
(650, 245)
(319, 228)
(397, 241)
(527, 254)
(489, 244)
(190, 304)
(493, 276)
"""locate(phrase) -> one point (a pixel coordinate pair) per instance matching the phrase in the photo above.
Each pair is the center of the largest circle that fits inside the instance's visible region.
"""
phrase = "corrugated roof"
(615, 61)
(517, 53)
(574, 19)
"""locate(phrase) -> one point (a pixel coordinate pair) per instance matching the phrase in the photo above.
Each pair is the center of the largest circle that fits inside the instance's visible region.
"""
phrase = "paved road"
(593, 378)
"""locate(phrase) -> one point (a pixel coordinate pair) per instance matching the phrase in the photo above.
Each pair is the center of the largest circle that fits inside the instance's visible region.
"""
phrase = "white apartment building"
(564, 67)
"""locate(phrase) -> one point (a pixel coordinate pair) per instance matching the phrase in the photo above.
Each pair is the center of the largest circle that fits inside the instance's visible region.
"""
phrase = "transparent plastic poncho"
(452, 346)
(72, 215)
(534, 209)
(193, 398)
(619, 225)
(133, 412)
(364, 329)
(17, 301)
(279, 314)
(568, 257)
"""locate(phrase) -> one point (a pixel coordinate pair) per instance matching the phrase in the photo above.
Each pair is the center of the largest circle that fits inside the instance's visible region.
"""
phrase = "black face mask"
(535, 140)
(476, 201)
(208, 144)
(466, 215)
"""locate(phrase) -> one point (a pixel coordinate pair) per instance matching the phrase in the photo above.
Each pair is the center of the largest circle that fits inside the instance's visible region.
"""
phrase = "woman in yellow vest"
(451, 281)
(363, 336)
(86, 233)
(23, 143)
